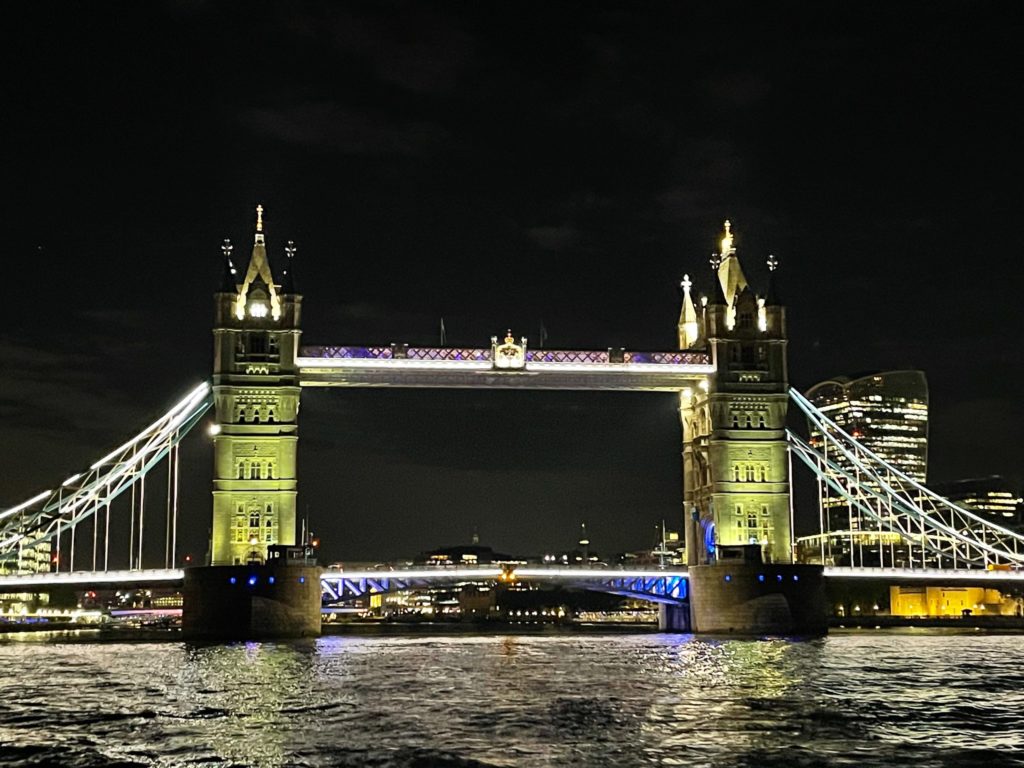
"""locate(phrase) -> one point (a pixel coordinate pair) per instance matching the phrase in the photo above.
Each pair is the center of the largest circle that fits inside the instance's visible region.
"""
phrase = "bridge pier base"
(740, 595)
(249, 602)
(673, 618)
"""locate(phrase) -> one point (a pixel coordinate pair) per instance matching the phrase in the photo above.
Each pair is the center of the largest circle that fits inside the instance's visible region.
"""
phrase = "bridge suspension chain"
(87, 496)
(944, 533)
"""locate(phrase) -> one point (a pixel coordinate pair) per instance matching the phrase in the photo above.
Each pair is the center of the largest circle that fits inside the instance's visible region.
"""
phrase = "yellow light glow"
(727, 239)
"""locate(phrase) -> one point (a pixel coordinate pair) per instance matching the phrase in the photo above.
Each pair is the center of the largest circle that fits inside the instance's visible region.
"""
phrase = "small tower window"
(254, 471)
(257, 343)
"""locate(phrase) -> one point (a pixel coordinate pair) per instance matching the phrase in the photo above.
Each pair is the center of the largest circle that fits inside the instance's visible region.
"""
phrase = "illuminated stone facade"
(256, 396)
(735, 467)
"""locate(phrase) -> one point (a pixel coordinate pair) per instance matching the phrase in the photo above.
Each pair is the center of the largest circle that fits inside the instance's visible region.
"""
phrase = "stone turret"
(736, 474)
(256, 392)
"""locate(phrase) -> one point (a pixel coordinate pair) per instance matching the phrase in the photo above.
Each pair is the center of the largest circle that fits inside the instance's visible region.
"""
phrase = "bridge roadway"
(471, 368)
(654, 585)
(651, 584)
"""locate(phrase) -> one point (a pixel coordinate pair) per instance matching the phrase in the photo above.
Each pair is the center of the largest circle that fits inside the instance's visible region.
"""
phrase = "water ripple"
(857, 699)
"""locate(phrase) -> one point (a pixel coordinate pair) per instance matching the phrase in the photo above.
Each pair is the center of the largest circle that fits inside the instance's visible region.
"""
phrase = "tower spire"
(259, 268)
(730, 274)
(688, 329)
(717, 296)
(727, 246)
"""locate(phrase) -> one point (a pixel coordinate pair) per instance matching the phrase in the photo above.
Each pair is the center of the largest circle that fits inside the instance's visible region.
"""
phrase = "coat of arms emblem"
(508, 355)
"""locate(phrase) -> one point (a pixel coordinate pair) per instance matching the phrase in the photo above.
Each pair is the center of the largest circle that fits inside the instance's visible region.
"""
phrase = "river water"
(867, 698)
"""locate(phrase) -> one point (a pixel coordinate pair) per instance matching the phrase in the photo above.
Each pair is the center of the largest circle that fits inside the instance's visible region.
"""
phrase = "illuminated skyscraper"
(991, 497)
(888, 414)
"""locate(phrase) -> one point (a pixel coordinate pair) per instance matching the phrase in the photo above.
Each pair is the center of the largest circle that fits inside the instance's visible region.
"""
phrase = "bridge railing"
(54, 516)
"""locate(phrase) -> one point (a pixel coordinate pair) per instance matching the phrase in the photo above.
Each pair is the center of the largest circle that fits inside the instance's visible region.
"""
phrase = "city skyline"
(417, 203)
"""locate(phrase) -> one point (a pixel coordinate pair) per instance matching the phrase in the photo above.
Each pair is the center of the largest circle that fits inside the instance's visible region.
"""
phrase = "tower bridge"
(729, 374)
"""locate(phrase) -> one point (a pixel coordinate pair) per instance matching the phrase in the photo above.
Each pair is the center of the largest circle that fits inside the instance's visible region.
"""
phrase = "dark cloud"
(331, 127)
(739, 90)
(555, 238)
(410, 45)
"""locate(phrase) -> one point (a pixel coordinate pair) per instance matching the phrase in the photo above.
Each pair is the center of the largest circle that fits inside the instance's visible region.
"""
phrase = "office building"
(887, 413)
(993, 498)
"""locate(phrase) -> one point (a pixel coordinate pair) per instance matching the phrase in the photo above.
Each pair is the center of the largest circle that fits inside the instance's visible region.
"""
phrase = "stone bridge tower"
(735, 462)
(256, 394)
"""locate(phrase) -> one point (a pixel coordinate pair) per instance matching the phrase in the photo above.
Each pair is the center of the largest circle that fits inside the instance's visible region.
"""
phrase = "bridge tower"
(735, 462)
(256, 396)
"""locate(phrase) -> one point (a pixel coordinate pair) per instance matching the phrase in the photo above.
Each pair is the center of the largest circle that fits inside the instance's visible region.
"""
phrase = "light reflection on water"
(856, 699)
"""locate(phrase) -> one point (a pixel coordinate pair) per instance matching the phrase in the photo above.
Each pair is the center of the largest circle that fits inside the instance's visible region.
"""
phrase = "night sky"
(502, 165)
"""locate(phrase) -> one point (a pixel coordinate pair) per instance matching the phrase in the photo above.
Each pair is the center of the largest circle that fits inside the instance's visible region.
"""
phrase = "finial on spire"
(727, 249)
(687, 284)
(773, 263)
(288, 276)
(227, 281)
(259, 218)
